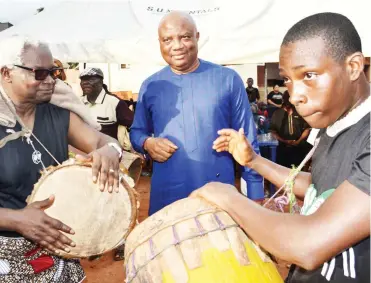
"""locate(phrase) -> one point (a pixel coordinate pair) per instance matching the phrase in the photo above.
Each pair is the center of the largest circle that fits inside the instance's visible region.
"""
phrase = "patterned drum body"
(193, 241)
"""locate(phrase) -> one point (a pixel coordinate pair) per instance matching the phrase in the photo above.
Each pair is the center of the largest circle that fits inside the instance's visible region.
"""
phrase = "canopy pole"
(109, 77)
(265, 80)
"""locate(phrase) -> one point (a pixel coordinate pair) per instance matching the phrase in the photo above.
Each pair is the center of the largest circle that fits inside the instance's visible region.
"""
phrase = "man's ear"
(5, 74)
(197, 36)
(355, 65)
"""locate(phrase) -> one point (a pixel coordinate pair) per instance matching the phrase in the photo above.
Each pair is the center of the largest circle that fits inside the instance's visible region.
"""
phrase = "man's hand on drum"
(160, 149)
(236, 144)
(106, 164)
(33, 224)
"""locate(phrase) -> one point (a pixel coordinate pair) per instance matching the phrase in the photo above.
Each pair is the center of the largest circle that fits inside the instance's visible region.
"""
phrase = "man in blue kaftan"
(183, 106)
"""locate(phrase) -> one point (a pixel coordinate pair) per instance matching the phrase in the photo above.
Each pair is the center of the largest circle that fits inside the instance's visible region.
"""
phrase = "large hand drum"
(193, 241)
(101, 220)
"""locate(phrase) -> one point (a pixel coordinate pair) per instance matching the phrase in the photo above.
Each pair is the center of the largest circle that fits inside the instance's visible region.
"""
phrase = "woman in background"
(291, 130)
(60, 74)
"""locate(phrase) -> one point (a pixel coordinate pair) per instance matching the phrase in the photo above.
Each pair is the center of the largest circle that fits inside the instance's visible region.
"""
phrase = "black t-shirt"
(345, 156)
(288, 128)
(19, 173)
(253, 94)
(275, 97)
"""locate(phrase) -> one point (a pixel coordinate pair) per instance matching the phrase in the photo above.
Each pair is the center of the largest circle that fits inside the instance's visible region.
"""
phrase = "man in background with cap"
(109, 110)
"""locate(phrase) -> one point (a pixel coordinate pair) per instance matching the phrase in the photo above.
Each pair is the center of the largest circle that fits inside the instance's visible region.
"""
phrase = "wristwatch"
(117, 147)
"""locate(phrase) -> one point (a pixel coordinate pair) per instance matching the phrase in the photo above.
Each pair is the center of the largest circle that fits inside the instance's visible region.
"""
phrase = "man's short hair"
(338, 32)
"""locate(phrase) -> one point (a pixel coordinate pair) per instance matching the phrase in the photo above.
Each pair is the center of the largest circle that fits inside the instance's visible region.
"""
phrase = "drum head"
(101, 220)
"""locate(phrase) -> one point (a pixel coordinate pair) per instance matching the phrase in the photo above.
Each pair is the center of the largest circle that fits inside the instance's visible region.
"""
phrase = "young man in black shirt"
(252, 92)
(274, 98)
(322, 64)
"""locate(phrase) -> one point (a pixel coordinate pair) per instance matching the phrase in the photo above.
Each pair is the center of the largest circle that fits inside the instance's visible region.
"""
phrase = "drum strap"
(25, 132)
(11, 137)
(290, 180)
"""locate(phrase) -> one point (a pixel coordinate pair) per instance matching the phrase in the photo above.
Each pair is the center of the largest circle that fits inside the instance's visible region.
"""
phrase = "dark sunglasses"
(41, 74)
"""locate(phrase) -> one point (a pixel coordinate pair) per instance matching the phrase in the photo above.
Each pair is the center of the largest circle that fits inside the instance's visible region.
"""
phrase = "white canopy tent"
(232, 32)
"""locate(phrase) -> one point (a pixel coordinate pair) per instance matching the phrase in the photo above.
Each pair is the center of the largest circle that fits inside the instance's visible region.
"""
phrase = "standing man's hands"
(160, 149)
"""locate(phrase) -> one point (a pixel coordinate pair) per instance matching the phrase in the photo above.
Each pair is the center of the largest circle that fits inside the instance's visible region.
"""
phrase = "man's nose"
(297, 93)
(49, 80)
(178, 44)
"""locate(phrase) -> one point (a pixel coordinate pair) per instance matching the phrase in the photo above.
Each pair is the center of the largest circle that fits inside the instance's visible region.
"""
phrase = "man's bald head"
(178, 37)
(178, 17)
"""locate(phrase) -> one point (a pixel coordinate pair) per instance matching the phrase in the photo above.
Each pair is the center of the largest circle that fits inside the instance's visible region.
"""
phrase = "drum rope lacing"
(202, 232)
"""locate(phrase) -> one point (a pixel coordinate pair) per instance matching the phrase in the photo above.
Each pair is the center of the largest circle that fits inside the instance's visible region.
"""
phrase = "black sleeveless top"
(19, 172)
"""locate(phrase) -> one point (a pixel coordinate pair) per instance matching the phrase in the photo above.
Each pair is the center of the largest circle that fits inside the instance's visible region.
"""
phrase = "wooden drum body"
(194, 241)
(101, 220)
(133, 164)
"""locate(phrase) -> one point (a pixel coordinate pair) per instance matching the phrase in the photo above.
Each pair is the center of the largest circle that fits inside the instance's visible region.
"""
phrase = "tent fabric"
(231, 32)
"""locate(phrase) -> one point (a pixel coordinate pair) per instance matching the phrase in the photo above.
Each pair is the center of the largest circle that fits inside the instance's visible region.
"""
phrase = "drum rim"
(139, 158)
(131, 193)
